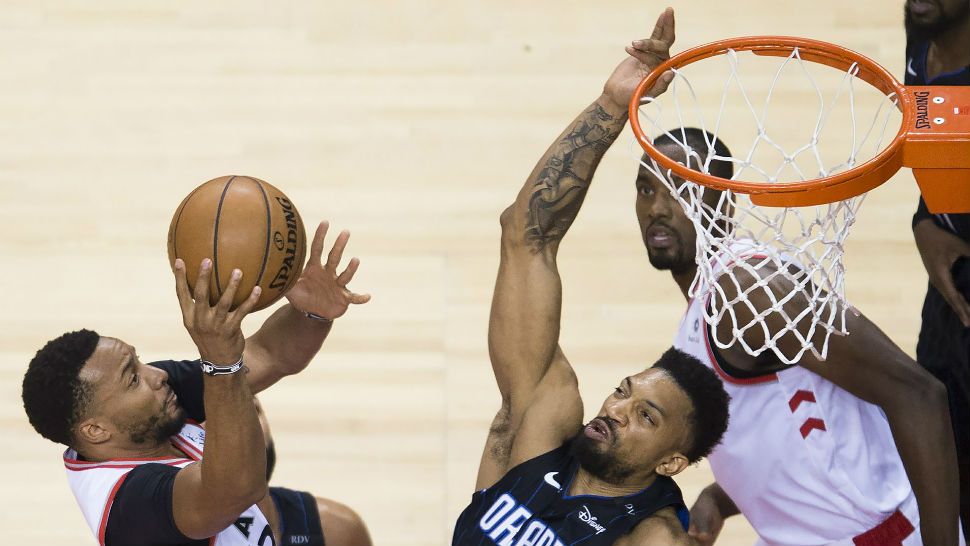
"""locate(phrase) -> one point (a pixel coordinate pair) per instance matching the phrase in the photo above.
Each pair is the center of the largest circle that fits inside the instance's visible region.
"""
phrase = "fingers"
(663, 82)
(247, 306)
(956, 300)
(648, 61)
(225, 301)
(664, 29)
(316, 247)
(348, 274)
(201, 293)
(337, 252)
(649, 52)
(182, 287)
(358, 299)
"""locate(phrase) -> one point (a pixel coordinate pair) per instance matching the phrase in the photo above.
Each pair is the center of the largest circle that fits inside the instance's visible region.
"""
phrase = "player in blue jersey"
(545, 479)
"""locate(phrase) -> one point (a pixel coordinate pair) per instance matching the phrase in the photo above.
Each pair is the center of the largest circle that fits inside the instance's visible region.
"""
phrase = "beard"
(920, 31)
(599, 461)
(675, 258)
(672, 259)
(158, 428)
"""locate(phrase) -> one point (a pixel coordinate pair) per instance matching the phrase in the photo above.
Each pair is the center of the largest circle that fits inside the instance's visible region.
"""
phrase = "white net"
(773, 277)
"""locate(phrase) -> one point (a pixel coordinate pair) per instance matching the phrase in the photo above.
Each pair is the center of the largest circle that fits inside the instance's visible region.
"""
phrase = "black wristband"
(209, 368)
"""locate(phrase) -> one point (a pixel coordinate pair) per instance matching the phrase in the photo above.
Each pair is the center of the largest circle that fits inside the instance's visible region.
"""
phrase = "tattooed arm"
(549, 201)
(541, 406)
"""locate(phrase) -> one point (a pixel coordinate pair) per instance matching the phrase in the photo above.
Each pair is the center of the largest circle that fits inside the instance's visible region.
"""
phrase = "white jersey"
(95, 484)
(806, 462)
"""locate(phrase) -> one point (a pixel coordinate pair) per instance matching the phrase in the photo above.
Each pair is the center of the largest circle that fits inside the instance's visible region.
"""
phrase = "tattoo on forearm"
(562, 181)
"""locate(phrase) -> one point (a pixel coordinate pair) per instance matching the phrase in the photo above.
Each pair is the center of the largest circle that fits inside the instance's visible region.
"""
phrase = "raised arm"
(289, 339)
(209, 495)
(532, 374)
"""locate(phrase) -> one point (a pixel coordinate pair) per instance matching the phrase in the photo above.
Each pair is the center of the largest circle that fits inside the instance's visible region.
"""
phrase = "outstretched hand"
(645, 55)
(320, 290)
(215, 329)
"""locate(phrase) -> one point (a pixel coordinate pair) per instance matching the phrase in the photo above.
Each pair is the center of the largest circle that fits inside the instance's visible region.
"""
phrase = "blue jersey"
(530, 506)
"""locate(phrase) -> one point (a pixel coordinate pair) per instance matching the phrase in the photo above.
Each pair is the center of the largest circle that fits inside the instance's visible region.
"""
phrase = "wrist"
(212, 368)
(618, 111)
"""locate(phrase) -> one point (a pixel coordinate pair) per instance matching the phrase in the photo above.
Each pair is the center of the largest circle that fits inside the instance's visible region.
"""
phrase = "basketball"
(244, 223)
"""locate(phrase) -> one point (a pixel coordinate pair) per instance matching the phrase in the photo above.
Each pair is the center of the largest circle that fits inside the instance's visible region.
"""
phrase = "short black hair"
(54, 396)
(709, 418)
(701, 142)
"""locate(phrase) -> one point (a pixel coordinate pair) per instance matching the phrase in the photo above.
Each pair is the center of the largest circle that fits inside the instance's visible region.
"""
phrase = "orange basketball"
(244, 223)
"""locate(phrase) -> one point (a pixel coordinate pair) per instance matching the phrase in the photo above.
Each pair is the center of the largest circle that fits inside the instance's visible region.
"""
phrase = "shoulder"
(663, 528)
(142, 509)
(556, 461)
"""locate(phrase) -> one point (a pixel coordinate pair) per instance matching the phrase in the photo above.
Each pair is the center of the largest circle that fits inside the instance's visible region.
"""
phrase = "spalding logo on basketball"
(244, 223)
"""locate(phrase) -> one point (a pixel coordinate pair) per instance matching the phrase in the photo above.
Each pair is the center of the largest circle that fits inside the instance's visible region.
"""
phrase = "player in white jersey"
(173, 452)
(821, 452)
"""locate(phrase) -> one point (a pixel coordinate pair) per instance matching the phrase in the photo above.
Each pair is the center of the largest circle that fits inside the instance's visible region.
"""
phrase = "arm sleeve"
(142, 510)
(185, 378)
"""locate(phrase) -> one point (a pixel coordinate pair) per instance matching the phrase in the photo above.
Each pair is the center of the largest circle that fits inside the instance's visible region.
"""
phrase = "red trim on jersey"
(107, 508)
(125, 464)
(187, 447)
(799, 397)
(810, 424)
(78, 465)
(890, 532)
(728, 377)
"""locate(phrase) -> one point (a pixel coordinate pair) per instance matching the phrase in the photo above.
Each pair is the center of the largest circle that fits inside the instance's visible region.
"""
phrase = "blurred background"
(412, 124)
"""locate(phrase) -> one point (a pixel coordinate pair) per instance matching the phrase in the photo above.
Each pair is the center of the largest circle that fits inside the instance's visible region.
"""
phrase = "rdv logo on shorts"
(589, 519)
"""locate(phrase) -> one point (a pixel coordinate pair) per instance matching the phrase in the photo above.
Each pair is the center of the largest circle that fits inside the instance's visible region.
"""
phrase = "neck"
(99, 453)
(684, 279)
(587, 484)
(951, 49)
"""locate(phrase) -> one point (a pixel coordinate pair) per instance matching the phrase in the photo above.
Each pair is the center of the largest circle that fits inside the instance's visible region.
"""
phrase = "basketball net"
(774, 273)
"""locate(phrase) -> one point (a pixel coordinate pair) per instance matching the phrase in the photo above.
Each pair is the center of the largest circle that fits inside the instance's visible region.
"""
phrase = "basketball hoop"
(770, 238)
(933, 138)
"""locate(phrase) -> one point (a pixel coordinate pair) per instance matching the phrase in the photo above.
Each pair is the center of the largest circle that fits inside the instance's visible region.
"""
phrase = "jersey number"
(243, 525)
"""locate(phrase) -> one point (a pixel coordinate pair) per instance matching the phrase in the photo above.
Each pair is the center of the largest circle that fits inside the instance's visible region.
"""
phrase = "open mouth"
(921, 7)
(658, 236)
(599, 430)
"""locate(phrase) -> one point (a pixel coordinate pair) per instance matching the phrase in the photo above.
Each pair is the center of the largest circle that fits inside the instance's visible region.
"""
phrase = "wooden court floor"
(410, 123)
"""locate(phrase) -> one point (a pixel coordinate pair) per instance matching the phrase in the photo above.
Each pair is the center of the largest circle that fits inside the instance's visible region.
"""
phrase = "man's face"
(645, 422)
(926, 19)
(130, 400)
(667, 232)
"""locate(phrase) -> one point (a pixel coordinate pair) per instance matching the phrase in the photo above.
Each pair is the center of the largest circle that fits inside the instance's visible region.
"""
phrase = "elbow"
(507, 221)
(513, 227)
(241, 501)
(928, 388)
(917, 385)
(934, 391)
(254, 491)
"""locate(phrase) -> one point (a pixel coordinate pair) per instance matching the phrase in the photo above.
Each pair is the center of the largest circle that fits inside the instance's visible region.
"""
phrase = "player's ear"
(672, 464)
(90, 431)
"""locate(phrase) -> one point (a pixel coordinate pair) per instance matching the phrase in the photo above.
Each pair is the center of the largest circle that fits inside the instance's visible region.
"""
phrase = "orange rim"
(849, 183)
